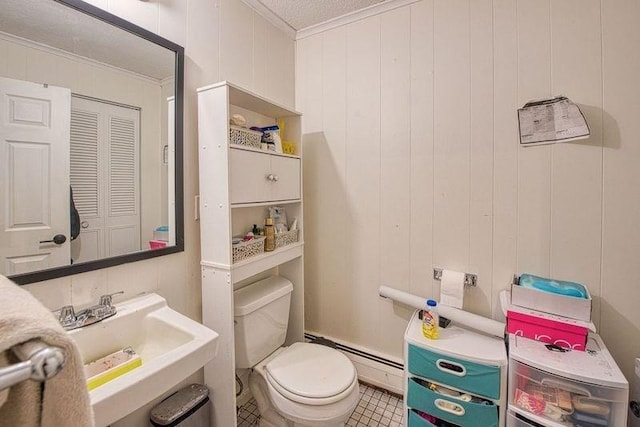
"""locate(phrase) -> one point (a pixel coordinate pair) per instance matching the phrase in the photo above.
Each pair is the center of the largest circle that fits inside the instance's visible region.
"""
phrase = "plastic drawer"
(416, 420)
(483, 380)
(514, 421)
(556, 400)
(450, 409)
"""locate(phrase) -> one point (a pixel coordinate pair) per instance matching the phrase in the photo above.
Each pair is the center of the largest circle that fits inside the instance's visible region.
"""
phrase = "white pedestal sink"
(171, 345)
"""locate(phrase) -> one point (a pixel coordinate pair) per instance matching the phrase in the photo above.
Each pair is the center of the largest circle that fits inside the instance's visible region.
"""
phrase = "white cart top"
(458, 342)
(595, 365)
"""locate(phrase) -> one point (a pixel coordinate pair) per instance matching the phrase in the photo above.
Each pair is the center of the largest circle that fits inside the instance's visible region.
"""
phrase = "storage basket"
(244, 250)
(286, 238)
(246, 137)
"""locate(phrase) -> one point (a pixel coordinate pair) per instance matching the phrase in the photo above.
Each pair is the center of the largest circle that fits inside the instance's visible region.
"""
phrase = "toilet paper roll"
(452, 288)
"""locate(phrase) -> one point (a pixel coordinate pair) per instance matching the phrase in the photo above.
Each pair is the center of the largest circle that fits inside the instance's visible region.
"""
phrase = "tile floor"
(376, 408)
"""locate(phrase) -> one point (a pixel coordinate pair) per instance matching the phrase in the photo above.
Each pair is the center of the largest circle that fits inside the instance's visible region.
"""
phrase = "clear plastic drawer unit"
(555, 387)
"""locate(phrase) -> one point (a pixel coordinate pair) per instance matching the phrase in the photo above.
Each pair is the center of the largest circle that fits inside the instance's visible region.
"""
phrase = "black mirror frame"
(68, 270)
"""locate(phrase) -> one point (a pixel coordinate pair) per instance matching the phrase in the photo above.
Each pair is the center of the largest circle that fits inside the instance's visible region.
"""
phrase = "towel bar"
(39, 363)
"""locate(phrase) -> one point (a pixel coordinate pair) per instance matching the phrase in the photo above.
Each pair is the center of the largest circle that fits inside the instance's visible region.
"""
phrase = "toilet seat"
(311, 374)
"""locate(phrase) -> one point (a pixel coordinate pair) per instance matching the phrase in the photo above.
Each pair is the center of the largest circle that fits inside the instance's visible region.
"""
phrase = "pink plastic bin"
(566, 335)
(157, 244)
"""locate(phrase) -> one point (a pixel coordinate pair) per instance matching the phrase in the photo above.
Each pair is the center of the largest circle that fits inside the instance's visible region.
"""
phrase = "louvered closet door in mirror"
(105, 178)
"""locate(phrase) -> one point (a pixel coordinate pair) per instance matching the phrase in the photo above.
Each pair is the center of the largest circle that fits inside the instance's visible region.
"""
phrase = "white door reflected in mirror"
(34, 182)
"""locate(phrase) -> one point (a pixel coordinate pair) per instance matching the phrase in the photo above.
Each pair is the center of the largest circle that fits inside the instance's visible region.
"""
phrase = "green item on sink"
(560, 287)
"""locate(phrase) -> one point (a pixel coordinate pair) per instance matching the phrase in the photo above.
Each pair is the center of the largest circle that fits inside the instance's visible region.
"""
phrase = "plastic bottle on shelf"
(430, 320)
(270, 234)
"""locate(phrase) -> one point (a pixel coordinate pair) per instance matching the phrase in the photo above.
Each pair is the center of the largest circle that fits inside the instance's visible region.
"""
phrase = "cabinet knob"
(275, 178)
(270, 177)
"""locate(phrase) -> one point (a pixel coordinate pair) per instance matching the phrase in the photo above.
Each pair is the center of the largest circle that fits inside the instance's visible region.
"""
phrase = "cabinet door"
(286, 178)
(249, 176)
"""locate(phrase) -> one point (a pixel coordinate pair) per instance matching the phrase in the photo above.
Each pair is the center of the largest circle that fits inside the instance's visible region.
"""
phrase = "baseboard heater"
(347, 349)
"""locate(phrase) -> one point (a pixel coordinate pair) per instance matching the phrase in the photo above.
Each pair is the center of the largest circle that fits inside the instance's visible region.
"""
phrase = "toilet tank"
(261, 315)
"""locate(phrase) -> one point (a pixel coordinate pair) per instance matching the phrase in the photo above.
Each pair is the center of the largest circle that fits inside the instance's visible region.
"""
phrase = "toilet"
(302, 385)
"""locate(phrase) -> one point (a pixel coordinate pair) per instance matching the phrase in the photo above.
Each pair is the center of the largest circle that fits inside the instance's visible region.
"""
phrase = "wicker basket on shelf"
(286, 238)
(245, 137)
(244, 250)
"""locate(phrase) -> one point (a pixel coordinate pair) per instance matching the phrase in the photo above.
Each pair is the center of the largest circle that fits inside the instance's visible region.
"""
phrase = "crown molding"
(266, 13)
(72, 57)
(348, 18)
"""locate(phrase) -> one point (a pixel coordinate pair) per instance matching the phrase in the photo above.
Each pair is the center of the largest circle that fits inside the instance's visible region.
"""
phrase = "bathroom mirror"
(90, 140)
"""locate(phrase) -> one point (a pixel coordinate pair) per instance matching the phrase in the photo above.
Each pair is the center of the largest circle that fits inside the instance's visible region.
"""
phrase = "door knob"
(84, 224)
(58, 239)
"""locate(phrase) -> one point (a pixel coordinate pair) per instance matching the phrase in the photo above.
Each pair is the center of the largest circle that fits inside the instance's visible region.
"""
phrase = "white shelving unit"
(237, 185)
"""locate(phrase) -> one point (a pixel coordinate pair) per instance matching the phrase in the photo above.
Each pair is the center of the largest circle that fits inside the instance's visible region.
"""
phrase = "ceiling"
(300, 14)
(52, 24)
(44, 22)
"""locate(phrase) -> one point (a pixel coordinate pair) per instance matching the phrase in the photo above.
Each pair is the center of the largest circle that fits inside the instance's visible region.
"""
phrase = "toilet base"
(269, 417)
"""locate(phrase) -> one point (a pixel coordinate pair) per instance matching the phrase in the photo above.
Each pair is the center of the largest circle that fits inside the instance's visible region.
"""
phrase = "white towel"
(58, 402)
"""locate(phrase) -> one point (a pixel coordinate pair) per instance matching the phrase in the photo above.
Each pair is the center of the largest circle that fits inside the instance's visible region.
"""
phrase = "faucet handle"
(106, 300)
(67, 315)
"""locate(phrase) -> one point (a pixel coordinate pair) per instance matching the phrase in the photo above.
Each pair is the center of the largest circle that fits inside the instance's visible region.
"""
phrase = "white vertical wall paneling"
(363, 175)
(421, 149)
(317, 223)
(280, 63)
(576, 169)
(260, 53)
(202, 54)
(395, 176)
(620, 317)
(236, 42)
(534, 163)
(301, 68)
(505, 146)
(452, 135)
(176, 277)
(544, 201)
(143, 14)
(478, 299)
(334, 234)
(172, 20)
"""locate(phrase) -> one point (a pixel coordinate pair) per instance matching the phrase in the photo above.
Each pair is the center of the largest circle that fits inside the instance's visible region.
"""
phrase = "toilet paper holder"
(469, 279)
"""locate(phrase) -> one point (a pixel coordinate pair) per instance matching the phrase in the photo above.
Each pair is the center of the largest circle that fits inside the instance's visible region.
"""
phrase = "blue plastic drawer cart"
(460, 378)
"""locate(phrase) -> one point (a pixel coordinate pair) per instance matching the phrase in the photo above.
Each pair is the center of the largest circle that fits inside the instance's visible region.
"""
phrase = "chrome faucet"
(69, 319)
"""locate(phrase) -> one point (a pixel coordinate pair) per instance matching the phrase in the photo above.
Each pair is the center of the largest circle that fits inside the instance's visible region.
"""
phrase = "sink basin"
(171, 345)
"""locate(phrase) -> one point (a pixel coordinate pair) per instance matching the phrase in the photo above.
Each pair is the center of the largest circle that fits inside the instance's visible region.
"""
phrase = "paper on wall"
(551, 120)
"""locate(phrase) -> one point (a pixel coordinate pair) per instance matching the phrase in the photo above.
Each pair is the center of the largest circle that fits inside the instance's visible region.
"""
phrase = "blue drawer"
(483, 380)
(451, 409)
(416, 420)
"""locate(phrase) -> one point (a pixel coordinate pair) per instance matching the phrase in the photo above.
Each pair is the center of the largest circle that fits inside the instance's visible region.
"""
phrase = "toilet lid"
(310, 371)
